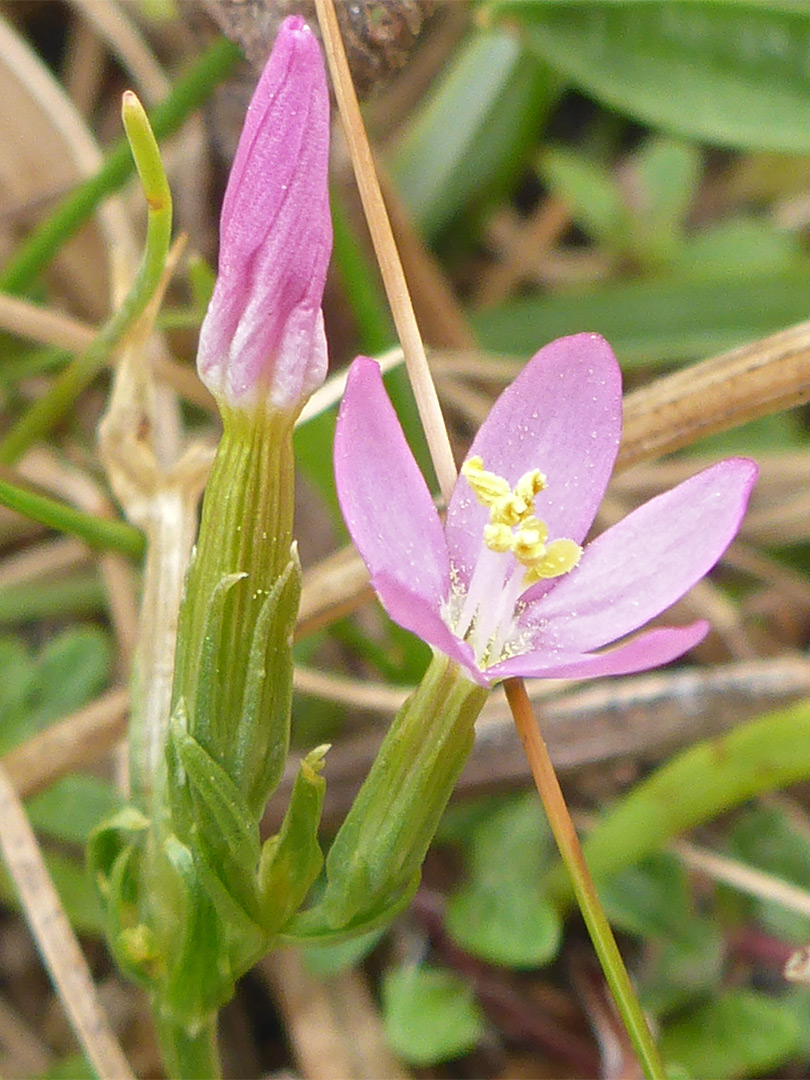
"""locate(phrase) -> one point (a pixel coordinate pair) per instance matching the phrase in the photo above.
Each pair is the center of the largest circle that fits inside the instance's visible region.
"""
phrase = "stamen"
(498, 537)
(487, 487)
(560, 557)
(529, 485)
(487, 616)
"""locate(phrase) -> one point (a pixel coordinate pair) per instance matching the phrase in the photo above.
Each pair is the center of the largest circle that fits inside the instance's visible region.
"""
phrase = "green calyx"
(374, 863)
(233, 670)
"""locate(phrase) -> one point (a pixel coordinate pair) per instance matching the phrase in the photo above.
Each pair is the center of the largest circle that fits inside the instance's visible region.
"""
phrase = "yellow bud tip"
(130, 104)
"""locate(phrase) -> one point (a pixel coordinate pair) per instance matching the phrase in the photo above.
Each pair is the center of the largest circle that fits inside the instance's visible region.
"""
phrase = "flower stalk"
(548, 787)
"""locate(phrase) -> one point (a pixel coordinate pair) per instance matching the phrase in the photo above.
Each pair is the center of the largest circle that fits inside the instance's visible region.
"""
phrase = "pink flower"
(503, 587)
(262, 340)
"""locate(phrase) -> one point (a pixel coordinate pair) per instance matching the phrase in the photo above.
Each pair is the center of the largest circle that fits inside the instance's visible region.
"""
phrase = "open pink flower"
(263, 340)
(503, 587)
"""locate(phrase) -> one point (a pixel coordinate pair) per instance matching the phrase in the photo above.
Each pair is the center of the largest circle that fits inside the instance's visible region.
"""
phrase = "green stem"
(188, 94)
(67, 386)
(584, 889)
(96, 531)
(186, 1056)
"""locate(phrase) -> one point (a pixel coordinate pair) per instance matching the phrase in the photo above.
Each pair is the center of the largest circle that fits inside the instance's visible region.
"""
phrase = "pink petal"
(416, 614)
(646, 562)
(561, 415)
(262, 337)
(387, 506)
(648, 650)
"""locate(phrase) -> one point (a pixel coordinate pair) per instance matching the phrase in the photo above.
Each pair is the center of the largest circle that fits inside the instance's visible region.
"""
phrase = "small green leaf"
(500, 913)
(75, 1067)
(72, 807)
(209, 665)
(69, 670)
(589, 192)
(429, 1015)
(76, 893)
(684, 968)
(741, 1033)
(696, 786)
(199, 978)
(651, 899)
(765, 838)
(739, 248)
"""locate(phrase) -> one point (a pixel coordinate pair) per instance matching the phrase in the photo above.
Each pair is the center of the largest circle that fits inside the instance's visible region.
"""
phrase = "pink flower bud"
(262, 341)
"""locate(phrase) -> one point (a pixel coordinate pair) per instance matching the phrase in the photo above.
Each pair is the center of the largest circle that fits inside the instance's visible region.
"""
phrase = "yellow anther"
(529, 485)
(529, 545)
(560, 557)
(513, 509)
(510, 509)
(498, 537)
(536, 525)
(488, 487)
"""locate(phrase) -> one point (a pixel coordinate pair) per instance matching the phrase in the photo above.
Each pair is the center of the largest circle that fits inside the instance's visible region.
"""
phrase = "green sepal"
(291, 861)
(211, 814)
(315, 926)
(114, 861)
(210, 661)
(262, 738)
(199, 976)
(121, 830)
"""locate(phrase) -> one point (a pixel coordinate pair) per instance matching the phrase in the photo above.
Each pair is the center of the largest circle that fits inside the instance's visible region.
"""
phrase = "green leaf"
(78, 897)
(500, 913)
(732, 74)
(98, 532)
(741, 247)
(75, 1067)
(651, 899)
(199, 978)
(687, 967)
(654, 322)
(765, 838)
(473, 132)
(70, 669)
(72, 807)
(741, 1033)
(696, 786)
(429, 1015)
(638, 212)
(589, 192)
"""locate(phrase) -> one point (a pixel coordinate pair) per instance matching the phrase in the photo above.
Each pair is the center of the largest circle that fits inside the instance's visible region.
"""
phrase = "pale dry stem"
(54, 936)
(396, 288)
